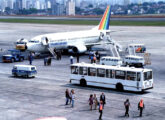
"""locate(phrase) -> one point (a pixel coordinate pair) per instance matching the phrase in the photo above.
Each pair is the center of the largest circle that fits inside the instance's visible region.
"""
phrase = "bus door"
(138, 80)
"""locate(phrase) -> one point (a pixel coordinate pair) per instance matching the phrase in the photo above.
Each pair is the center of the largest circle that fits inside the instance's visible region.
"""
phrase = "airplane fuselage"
(64, 40)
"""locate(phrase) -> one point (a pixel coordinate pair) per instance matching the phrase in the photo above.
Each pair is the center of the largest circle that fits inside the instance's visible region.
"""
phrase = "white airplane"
(76, 41)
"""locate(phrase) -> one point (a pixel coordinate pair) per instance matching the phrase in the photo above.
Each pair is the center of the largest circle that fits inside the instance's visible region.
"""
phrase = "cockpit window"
(34, 41)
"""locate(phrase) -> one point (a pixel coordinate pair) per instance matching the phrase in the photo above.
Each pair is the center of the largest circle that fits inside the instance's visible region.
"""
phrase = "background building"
(70, 7)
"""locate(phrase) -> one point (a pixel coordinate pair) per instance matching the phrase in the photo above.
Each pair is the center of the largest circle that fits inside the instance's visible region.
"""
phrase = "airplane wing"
(99, 43)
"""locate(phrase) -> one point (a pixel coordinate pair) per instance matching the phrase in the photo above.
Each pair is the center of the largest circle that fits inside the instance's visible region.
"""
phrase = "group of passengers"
(94, 56)
(94, 101)
(47, 60)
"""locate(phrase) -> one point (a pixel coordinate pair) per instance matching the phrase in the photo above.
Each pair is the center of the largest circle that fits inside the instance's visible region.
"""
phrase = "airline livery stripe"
(105, 22)
(109, 14)
(103, 19)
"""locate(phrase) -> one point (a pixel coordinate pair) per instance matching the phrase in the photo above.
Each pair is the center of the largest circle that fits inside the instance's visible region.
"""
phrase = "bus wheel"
(119, 87)
(83, 82)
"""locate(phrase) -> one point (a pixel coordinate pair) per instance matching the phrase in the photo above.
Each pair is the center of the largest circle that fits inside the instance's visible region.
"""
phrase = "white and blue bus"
(116, 77)
(24, 70)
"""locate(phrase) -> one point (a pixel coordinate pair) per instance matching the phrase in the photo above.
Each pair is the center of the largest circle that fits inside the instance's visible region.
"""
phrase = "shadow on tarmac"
(105, 90)
(20, 77)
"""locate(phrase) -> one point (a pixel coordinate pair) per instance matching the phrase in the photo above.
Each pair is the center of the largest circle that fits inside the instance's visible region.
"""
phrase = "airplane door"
(44, 40)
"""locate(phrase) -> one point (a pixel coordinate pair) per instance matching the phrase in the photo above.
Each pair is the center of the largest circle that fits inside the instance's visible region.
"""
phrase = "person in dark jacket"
(103, 99)
(91, 101)
(30, 57)
(67, 96)
(141, 107)
(77, 58)
(127, 105)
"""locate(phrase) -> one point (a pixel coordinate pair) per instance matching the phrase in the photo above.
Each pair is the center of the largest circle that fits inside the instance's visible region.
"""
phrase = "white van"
(108, 60)
(24, 70)
(134, 60)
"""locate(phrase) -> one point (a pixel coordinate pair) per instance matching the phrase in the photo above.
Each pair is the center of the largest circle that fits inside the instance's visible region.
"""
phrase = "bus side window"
(100, 72)
(74, 70)
(112, 73)
(108, 73)
(138, 76)
(131, 75)
(91, 71)
(83, 71)
(120, 74)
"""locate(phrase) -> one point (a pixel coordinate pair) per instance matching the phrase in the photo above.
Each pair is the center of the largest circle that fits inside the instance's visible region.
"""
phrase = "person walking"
(73, 97)
(91, 59)
(30, 58)
(95, 101)
(100, 110)
(91, 101)
(78, 58)
(127, 105)
(94, 59)
(71, 59)
(141, 107)
(45, 61)
(67, 96)
(103, 99)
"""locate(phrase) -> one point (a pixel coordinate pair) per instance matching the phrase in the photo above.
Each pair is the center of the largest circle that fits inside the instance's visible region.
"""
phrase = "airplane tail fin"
(104, 23)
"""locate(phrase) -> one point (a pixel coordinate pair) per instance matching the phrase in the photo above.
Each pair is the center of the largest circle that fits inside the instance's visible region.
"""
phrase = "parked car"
(24, 70)
(132, 60)
(108, 60)
(14, 56)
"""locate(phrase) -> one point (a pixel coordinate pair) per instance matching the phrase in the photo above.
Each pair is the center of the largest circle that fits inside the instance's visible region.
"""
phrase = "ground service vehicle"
(116, 77)
(24, 70)
(21, 44)
(14, 56)
(132, 60)
(138, 48)
(108, 60)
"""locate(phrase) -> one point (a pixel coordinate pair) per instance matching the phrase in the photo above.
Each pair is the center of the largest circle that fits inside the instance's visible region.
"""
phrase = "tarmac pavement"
(44, 95)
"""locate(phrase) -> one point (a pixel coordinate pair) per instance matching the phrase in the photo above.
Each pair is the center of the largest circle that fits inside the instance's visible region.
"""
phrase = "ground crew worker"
(100, 110)
(30, 58)
(71, 59)
(141, 107)
(127, 105)
(103, 99)
(77, 58)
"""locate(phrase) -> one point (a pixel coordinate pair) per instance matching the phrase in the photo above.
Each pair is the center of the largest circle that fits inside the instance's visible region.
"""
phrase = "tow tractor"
(14, 56)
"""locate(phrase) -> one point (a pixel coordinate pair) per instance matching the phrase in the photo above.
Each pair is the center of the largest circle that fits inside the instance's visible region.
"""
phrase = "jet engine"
(78, 49)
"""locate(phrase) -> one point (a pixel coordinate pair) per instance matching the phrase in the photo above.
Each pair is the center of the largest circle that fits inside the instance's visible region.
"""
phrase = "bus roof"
(24, 66)
(111, 67)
